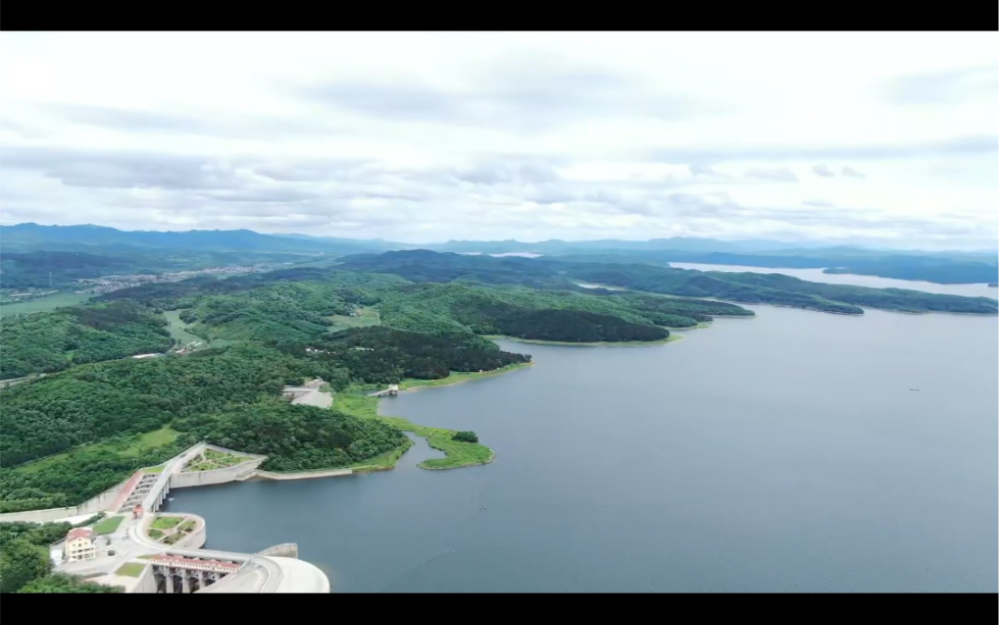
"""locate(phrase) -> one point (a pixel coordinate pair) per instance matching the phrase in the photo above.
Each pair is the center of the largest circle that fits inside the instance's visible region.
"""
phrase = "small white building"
(80, 545)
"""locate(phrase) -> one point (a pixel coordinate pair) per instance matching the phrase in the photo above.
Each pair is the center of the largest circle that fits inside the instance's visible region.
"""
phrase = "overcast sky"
(874, 138)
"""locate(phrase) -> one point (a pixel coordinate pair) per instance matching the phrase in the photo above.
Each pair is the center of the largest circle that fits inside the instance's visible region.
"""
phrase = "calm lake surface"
(782, 453)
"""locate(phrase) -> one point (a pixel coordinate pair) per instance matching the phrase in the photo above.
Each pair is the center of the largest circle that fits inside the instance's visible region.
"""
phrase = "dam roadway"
(256, 574)
(269, 571)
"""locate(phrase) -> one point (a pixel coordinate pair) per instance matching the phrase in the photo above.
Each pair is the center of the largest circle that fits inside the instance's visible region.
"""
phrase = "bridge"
(198, 570)
(175, 574)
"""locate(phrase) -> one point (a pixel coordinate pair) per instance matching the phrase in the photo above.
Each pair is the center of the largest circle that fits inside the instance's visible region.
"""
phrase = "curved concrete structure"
(275, 569)
(257, 573)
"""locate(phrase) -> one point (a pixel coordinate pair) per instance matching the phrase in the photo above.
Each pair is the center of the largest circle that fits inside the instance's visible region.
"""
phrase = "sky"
(883, 139)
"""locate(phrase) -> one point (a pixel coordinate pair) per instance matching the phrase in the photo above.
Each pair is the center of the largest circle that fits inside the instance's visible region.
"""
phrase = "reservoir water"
(796, 451)
(816, 275)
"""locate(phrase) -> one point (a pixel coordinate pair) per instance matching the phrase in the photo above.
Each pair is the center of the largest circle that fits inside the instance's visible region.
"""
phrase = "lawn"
(108, 525)
(49, 302)
(130, 569)
(178, 329)
(211, 460)
(166, 522)
(368, 317)
(458, 454)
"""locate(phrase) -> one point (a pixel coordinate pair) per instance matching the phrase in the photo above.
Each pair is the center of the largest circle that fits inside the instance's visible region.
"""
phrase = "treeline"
(290, 311)
(70, 479)
(52, 341)
(295, 438)
(941, 272)
(96, 401)
(543, 315)
(381, 355)
(750, 288)
(229, 396)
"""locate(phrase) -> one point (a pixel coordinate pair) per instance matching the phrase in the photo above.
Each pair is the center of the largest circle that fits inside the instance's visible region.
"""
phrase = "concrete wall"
(147, 582)
(302, 475)
(100, 503)
(240, 471)
(284, 550)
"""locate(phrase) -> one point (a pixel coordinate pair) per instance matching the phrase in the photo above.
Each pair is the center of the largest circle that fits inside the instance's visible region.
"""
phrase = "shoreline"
(459, 377)
(670, 339)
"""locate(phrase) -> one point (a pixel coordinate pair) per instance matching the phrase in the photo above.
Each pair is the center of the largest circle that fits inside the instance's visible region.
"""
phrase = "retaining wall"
(147, 582)
(301, 475)
(240, 471)
(100, 503)
(284, 550)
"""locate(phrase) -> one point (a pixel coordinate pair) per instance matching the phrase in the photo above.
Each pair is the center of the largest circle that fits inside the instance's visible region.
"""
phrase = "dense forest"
(294, 438)
(53, 341)
(95, 401)
(381, 355)
(459, 306)
(228, 396)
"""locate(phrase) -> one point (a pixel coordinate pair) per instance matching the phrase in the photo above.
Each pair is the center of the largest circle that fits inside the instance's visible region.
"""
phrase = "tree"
(465, 437)
(21, 562)
(62, 583)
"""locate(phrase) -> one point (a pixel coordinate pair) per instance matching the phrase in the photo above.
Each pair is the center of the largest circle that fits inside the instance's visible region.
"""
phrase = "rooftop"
(80, 532)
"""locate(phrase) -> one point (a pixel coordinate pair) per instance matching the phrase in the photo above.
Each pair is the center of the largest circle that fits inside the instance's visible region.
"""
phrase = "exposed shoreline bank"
(671, 338)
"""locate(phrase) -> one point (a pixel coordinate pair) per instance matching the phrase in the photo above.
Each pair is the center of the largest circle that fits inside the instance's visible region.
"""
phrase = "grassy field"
(156, 469)
(178, 329)
(457, 454)
(130, 569)
(211, 460)
(108, 525)
(383, 461)
(49, 302)
(135, 446)
(368, 317)
(166, 522)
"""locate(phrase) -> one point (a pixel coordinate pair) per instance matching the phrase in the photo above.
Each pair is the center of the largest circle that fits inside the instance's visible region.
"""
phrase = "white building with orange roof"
(80, 545)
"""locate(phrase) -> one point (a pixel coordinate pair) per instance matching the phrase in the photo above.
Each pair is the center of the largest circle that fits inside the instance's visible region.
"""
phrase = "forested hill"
(97, 239)
(52, 341)
(749, 288)
(229, 396)
(975, 269)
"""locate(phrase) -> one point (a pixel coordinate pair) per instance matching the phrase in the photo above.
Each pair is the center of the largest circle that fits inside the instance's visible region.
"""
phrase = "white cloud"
(421, 137)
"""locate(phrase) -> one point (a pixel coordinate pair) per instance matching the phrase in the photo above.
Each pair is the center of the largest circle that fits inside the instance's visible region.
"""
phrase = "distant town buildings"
(106, 284)
(80, 545)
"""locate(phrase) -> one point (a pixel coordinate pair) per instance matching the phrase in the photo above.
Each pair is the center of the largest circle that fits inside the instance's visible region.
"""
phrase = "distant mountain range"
(944, 267)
